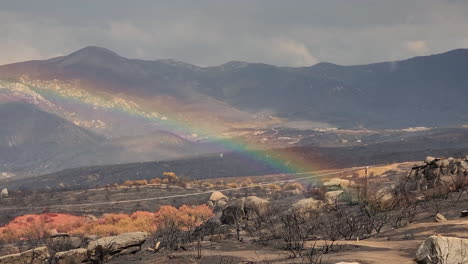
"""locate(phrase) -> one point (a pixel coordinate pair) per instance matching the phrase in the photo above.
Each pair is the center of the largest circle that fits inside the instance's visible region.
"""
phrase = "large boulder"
(256, 207)
(119, 245)
(65, 241)
(232, 215)
(4, 193)
(443, 250)
(38, 255)
(216, 196)
(306, 205)
(333, 196)
(79, 255)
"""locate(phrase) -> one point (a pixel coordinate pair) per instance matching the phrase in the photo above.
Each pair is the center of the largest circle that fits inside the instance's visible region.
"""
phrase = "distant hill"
(94, 107)
(382, 95)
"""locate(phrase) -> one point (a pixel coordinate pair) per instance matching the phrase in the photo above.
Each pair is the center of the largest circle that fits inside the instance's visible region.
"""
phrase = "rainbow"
(280, 160)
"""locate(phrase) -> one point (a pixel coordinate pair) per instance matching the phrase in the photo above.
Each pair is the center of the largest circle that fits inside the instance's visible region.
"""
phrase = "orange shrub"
(39, 226)
(136, 183)
(186, 218)
(171, 177)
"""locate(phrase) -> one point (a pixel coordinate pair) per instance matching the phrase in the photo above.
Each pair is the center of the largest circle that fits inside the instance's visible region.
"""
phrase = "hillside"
(342, 96)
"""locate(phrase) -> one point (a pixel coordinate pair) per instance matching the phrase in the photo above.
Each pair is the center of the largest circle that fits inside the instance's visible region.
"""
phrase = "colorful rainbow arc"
(280, 161)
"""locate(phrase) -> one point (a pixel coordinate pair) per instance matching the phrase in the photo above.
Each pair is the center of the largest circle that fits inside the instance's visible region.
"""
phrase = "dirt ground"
(392, 246)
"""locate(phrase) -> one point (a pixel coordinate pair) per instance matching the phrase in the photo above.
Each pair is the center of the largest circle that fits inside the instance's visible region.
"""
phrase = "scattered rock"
(443, 250)
(4, 193)
(79, 255)
(440, 218)
(464, 213)
(34, 256)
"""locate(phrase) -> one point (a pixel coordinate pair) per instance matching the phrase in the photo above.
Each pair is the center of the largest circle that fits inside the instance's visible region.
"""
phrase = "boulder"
(307, 204)
(221, 204)
(429, 159)
(440, 218)
(232, 215)
(216, 196)
(116, 245)
(464, 213)
(38, 255)
(332, 196)
(255, 206)
(79, 255)
(443, 250)
(4, 193)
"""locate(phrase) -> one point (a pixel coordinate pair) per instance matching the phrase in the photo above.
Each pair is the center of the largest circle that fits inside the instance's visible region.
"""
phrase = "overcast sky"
(202, 32)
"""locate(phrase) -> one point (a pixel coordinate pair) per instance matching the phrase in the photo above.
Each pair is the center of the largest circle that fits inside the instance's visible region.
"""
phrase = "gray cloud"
(211, 32)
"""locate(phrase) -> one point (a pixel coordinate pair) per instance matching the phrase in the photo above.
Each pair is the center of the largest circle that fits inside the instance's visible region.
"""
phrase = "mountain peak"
(91, 55)
(94, 51)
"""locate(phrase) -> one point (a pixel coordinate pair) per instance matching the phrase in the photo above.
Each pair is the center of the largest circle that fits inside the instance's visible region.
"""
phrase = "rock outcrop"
(443, 250)
(119, 245)
(437, 171)
(38, 255)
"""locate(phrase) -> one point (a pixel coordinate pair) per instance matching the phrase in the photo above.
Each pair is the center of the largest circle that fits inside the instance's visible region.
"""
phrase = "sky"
(213, 32)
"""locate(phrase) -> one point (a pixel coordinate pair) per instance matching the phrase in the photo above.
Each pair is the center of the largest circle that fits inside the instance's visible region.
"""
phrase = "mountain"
(382, 95)
(129, 110)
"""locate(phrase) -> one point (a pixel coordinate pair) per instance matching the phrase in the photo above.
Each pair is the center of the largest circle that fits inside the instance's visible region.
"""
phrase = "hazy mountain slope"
(34, 142)
(382, 95)
(33, 139)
